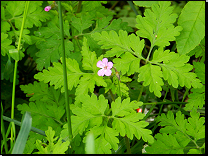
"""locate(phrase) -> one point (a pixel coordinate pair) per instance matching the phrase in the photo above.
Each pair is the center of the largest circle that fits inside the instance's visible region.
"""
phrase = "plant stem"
(127, 145)
(65, 74)
(140, 93)
(79, 6)
(132, 6)
(147, 115)
(15, 71)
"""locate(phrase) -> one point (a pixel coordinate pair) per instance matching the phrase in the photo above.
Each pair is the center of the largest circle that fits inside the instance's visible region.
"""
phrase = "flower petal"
(101, 72)
(110, 65)
(107, 72)
(105, 61)
(100, 64)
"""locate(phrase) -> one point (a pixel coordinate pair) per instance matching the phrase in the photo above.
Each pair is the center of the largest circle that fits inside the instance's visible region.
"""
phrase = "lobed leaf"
(152, 76)
(157, 25)
(119, 43)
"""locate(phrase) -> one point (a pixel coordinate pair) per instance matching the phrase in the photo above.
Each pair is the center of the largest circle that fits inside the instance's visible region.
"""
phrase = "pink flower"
(106, 67)
(47, 8)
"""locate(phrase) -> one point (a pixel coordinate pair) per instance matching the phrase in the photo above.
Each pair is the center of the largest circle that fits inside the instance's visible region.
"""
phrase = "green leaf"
(192, 19)
(51, 147)
(129, 125)
(157, 25)
(54, 74)
(127, 63)
(82, 23)
(124, 108)
(151, 75)
(167, 144)
(36, 14)
(198, 50)
(200, 70)
(22, 137)
(89, 58)
(5, 44)
(175, 69)
(105, 139)
(196, 98)
(194, 127)
(50, 46)
(15, 54)
(90, 144)
(40, 91)
(145, 3)
(119, 43)
(90, 114)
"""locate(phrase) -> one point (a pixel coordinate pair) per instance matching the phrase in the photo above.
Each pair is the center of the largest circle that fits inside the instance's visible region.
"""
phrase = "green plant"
(157, 64)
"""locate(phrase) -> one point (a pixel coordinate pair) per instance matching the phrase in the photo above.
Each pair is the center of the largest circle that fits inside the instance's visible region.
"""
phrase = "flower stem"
(65, 73)
(15, 73)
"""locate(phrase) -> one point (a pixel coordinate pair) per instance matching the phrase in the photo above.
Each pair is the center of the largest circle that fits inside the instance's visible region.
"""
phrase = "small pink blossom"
(106, 67)
(47, 8)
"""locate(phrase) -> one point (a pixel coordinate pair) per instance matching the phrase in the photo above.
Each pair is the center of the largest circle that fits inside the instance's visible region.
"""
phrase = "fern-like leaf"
(179, 131)
(119, 43)
(152, 76)
(157, 25)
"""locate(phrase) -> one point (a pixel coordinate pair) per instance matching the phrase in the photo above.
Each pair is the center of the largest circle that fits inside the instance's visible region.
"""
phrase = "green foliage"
(52, 148)
(50, 47)
(197, 97)
(119, 43)
(193, 26)
(177, 133)
(91, 117)
(5, 44)
(54, 74)
(157, 25)
(145, 70)
(47, 107)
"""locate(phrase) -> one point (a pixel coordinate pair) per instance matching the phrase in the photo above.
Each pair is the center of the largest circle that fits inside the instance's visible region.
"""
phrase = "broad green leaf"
(192, 19)
(157, 25)
(152, 76)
